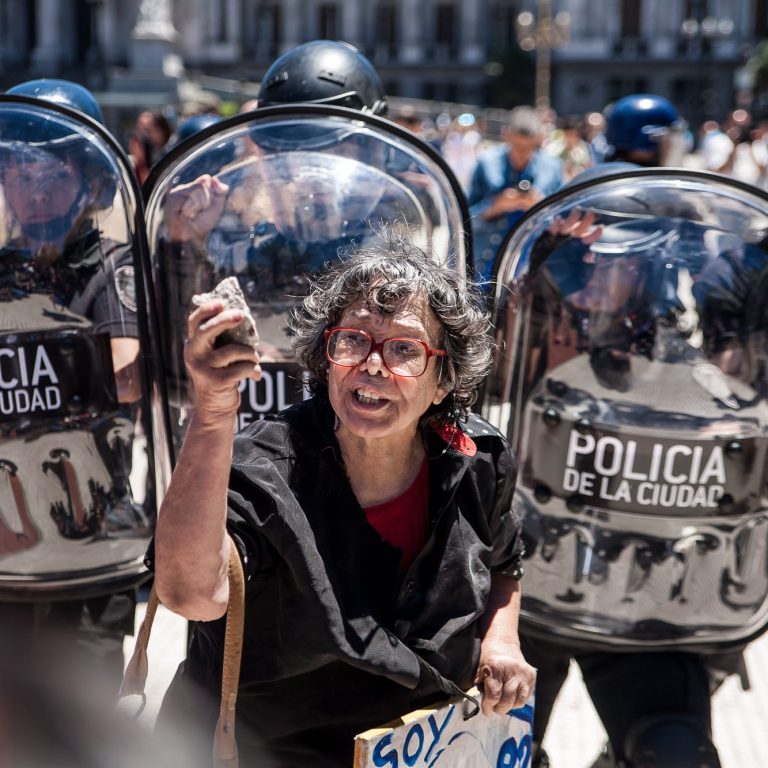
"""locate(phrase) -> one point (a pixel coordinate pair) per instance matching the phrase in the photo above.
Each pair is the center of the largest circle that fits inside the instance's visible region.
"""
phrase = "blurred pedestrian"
(508, 180)
(735, 157)
(148, 141)
(568, 143)
(460, 147)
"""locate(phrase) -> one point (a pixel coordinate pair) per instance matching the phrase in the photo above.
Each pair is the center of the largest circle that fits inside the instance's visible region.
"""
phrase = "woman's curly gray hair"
(387, 277)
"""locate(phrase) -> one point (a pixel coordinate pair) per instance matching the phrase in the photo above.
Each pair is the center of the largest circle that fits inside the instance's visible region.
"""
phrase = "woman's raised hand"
(216, 371)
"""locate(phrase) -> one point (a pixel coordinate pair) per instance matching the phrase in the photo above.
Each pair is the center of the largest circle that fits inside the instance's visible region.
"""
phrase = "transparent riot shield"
(82, 463)
(269, 198)
(630, 375)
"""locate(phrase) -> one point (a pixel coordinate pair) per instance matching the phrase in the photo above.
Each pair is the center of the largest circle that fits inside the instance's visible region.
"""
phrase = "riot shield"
(630, 376)
(82, 460)
(271, 196)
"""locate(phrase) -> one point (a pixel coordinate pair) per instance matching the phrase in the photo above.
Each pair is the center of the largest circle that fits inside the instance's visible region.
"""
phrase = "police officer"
(274, 230)
(644, 129)
(60, 272)
(620, 294)
(318, 72)
(324, 72)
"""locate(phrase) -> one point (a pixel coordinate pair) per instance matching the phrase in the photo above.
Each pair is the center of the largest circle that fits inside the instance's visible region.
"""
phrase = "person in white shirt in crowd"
(568, 143)
(730, 151)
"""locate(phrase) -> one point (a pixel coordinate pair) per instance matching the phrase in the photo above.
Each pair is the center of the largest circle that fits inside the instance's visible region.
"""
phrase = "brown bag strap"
(135, 677)
(224, 745)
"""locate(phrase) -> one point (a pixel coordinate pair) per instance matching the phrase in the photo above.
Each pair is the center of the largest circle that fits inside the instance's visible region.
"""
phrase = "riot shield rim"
(384, 125)
(513, 265)
(589, 644)
(146, 315)
(128, 576)
(87, 121)
(156, 423)
(622, 174)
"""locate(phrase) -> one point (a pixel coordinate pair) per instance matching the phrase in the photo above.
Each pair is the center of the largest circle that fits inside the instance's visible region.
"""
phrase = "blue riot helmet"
(644, 129)
(215, 158)
(55, 153)
(194, 124)
(324, 72)
(63, 92)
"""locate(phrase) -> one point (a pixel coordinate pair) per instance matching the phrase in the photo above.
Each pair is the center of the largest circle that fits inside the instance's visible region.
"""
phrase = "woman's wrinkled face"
(370, 401)
(41, 190)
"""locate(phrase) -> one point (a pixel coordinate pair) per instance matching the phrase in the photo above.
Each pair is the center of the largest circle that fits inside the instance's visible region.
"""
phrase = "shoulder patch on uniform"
(125, 285)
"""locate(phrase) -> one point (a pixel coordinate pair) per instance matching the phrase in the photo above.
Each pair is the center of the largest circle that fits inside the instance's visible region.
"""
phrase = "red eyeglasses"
(350, 347)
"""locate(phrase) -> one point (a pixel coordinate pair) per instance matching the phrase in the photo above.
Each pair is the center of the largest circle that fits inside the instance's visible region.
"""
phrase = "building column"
(293, 11)
(15, 35)
(351, 24)
(192, 31)
(153, 38)
(109, 36)
(412, 43)
(234, 31)
(471, 50)
(613, 26)
(48, 55)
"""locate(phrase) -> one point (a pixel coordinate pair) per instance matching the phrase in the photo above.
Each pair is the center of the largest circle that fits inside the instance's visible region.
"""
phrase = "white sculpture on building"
(154, 20)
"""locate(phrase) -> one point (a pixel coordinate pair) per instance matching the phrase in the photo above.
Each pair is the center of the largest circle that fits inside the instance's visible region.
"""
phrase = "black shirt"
(333, 633)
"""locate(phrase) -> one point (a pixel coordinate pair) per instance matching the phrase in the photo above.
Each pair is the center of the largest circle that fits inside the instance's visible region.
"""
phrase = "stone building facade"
(428, 49)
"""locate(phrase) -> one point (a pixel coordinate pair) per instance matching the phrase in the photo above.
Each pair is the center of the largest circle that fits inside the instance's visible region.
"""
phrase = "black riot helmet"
(324, 72)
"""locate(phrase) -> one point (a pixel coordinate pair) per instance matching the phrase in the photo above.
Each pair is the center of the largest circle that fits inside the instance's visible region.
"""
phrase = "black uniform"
(88, 287)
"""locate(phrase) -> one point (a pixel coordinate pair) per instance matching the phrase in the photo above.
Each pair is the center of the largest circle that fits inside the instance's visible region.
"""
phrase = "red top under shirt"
(404, 521)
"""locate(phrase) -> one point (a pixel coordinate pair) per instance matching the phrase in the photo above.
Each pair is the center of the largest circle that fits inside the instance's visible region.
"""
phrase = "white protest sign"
(441, 737)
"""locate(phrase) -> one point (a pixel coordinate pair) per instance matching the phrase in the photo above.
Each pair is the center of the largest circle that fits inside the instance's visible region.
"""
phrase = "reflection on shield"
(311, 197)
(631, 378)
(75, 410)
(300, 187)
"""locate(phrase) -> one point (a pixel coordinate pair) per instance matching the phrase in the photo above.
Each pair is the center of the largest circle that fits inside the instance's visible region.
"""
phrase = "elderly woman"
(374, 520)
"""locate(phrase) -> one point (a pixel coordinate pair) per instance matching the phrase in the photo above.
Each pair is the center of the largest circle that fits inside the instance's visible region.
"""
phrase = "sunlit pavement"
(740, 720)
(575, 736)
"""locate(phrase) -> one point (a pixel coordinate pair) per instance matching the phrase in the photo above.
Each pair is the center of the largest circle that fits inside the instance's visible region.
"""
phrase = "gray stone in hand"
(229, 291)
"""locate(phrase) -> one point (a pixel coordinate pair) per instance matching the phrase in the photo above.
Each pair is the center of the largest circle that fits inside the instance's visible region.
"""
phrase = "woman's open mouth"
(368, 397)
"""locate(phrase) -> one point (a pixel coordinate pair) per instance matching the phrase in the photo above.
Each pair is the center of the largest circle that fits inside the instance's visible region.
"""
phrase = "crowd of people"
(736, 145)
(545, 152)
(382, 550)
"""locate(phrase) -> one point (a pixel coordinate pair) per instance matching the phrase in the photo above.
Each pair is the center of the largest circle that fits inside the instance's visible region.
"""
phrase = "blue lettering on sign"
(422, 748)
(413, 744)
(514, 755)
(524, 713)
(390, 758)
(437, 732)
(411, 757)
